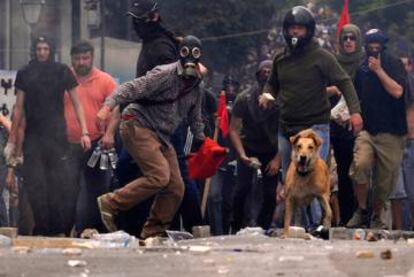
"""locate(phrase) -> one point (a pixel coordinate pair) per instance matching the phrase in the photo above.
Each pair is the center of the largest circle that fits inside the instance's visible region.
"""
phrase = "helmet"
(298, 15)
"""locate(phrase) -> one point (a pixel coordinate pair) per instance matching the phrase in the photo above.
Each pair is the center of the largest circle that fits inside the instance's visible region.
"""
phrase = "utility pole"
(103, 29)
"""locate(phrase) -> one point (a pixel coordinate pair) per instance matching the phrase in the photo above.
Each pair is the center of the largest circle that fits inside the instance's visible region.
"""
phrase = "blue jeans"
(407, 178)
(219, 202)
(4, 221)
(285, 149)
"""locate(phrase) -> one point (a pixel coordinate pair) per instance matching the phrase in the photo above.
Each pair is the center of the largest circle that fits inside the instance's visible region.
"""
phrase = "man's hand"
(102, 117)
(356, 123)
(374, 64)
(266, 100)
(246, 160)
(272, 168)
(107, 141)
(9, 151)
(85, 142)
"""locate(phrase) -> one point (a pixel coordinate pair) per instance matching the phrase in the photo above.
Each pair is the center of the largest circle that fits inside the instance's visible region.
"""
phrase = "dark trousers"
(189, 210)
(244, 185)
(85, 185)
(44, 172)
(343, 150)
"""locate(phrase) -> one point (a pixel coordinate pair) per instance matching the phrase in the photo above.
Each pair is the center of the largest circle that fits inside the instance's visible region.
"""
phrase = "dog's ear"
(294, 139)
(316, 138)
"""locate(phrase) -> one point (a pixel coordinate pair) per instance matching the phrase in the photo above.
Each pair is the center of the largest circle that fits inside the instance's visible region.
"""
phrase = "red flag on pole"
(345, 18)
(223, 115)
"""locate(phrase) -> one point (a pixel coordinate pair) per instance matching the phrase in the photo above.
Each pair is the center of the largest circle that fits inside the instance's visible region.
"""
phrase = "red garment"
(206, 161)
(222, 114)
(344, 19)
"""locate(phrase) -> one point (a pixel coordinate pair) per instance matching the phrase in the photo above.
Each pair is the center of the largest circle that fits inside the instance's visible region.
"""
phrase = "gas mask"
(190, 53)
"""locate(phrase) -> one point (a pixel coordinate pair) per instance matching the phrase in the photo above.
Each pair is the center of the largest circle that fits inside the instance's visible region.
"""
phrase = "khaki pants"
(161, 177)
(382, 155)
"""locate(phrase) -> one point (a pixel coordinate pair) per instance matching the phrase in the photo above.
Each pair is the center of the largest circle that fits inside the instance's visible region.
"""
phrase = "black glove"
(197, 144)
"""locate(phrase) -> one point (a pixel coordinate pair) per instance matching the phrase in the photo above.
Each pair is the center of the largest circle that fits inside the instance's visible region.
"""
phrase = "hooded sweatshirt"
(298, 82)
(350, 62)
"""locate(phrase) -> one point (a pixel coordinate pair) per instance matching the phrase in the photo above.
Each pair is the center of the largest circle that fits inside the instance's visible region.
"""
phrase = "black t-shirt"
(44, 86)
(381, 112)
(258, 135)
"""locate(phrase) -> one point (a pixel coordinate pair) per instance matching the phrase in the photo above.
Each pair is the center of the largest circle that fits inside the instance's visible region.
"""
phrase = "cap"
(141, 8)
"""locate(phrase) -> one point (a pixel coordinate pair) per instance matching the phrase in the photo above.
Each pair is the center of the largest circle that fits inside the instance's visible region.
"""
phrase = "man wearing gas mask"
(157, 104)
(379, 82)
(298, 82)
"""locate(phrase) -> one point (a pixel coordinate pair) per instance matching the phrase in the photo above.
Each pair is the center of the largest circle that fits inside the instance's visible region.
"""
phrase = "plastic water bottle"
(94, 157)
(119, 239)
(104, 160)
(113, 158)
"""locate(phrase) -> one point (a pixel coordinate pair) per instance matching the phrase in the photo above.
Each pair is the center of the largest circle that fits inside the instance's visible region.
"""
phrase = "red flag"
(344, 19)
(221, 104)
(224, 122)
(207, 160)
(222, 114)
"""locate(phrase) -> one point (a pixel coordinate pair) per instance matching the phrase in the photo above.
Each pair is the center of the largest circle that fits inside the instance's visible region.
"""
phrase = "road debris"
(364, 254)
(77, 263)
(386, 255)
(72, 251)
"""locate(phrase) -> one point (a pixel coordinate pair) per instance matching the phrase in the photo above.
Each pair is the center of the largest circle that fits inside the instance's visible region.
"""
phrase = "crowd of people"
(82, 153)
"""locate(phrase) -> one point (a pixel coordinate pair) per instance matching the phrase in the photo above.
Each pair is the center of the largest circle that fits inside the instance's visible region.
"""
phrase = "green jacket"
(298, 82)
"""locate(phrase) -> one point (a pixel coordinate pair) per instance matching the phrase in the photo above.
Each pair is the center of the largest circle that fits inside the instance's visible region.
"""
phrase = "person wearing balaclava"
(253, 133)
(300, 75)
(350, 57)
(379, 82)
(157, 103)
(159, 46)
(39, 109)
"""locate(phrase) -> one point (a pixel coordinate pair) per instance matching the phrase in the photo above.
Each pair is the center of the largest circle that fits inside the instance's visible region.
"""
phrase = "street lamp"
(31, 14)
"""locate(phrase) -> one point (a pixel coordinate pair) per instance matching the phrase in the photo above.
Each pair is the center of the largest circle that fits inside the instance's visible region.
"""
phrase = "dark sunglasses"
(351, 38)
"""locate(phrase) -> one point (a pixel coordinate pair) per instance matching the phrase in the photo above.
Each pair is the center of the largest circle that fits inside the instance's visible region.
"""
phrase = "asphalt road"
(221, 256)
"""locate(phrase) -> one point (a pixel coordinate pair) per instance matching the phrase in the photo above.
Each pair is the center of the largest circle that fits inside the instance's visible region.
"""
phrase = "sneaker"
(107, 213)
(359, 219)
(377, 223)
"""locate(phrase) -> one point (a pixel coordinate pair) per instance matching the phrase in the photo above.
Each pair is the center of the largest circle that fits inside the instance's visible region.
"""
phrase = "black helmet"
(298, 15)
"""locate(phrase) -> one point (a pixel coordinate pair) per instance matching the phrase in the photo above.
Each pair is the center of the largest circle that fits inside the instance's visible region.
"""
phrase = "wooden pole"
(207, 184)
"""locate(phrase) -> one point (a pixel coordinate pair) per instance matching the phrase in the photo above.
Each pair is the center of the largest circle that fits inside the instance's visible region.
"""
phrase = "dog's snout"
(302, 159)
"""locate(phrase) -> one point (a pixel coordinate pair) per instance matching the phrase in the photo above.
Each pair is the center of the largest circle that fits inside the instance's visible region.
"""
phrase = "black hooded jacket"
(158, 47)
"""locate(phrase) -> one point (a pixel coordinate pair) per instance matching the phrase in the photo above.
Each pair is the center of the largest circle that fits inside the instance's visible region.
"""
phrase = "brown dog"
(307, 177)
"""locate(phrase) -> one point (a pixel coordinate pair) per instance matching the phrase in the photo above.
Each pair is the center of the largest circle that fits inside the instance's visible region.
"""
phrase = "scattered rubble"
(386, 255)
(77, 263)
(364, 254)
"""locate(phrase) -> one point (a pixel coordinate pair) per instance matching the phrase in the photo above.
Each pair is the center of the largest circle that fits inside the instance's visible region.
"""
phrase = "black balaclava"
(141, 13)
(231, 86)
(190, 53)
(298, 15)
(375, 35)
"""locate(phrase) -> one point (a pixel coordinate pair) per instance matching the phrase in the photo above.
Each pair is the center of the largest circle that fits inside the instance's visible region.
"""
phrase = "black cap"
(141, 8)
